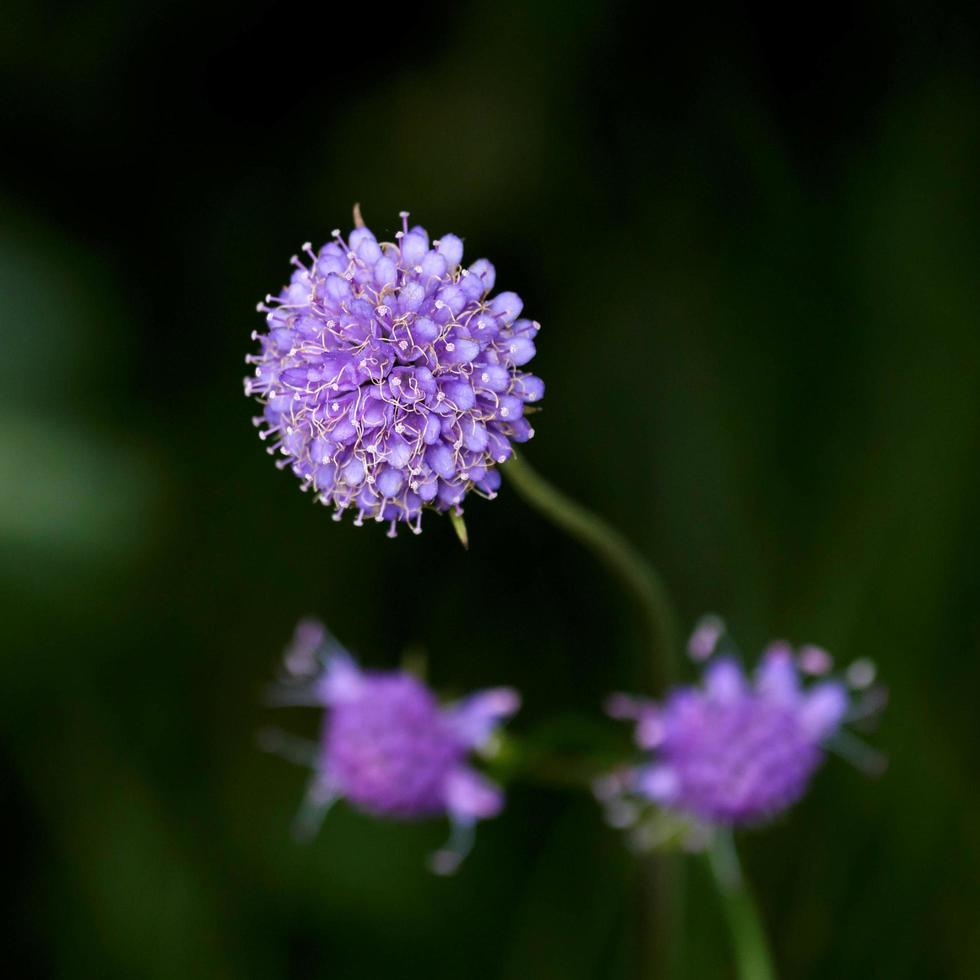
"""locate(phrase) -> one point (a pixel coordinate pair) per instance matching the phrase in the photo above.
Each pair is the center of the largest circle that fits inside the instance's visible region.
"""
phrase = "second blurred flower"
(387, 746)
(735, 750)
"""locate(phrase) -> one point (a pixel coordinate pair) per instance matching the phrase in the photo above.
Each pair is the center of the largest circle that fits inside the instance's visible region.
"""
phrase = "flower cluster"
(735, 750)
(388, 747)
(390, 379)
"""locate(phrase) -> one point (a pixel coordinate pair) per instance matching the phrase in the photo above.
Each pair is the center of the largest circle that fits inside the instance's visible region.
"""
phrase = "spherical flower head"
(391, 749)
(736, 749)
(390, 379)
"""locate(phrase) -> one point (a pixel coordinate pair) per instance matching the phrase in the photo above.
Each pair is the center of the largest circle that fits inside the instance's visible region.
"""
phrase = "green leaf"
(459, 526)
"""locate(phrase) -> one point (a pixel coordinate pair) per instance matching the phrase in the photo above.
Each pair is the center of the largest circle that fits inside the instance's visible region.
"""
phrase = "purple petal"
(471, 796)
(300, 656)
(507, 305)
(659, 783)
(824, 707)
(705, 637)
(413, 247)
(724, 680)
(342, 680)
(815, 660)
(777, 677)
(451, 249)
(474, 718)
(484, 269)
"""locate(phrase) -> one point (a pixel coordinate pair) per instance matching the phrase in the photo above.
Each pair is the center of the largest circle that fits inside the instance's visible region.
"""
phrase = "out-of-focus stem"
(752, 956)
(607, 544)
(663, 881)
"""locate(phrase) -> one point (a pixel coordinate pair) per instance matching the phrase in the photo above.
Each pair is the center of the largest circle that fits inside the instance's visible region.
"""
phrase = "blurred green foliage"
(754, 254)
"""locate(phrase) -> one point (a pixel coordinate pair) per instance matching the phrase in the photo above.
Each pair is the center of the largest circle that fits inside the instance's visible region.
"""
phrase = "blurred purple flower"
(390, 380)
(735, 750)
(387, 746)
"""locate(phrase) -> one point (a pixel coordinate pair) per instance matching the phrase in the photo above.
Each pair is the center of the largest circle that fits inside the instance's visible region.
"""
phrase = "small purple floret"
(391, 381)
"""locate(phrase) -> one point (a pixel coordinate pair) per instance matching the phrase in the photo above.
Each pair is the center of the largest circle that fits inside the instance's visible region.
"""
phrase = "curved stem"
(752, 955)
(749, 938)
(607, 544)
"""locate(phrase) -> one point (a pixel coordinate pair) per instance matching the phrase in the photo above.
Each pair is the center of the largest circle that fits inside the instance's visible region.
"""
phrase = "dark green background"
(753, 245)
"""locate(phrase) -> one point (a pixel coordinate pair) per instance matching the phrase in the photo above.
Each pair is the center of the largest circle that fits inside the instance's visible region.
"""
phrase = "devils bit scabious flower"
(737, 749)
(387, 746)
(390, 378)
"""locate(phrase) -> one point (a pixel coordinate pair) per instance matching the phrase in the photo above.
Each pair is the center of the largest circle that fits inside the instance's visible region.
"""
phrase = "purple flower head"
(389, 748)
(390, 380)
(736, 749)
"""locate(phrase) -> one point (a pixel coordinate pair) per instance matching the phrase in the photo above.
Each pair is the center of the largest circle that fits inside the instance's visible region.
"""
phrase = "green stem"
(752, 955)
(607, 544)
(643, 582)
